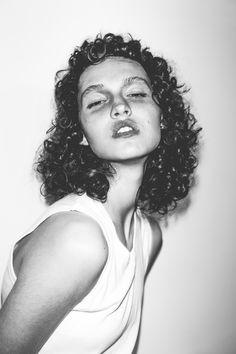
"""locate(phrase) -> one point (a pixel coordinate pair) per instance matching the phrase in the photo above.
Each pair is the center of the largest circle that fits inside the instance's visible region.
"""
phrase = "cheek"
(153, 131)
(89, 128)
(153, 120)
(92, 123)
(94, 135)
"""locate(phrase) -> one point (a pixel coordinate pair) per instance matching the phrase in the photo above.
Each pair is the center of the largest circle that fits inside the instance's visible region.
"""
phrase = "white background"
(190, 305)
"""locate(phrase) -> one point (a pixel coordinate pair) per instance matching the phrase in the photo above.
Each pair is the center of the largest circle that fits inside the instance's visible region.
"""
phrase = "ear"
(84, 141)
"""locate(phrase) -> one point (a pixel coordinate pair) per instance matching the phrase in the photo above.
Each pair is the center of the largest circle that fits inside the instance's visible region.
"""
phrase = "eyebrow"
(128, 81)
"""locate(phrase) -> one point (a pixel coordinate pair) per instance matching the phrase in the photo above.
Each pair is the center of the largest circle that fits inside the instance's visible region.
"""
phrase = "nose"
(120, 110)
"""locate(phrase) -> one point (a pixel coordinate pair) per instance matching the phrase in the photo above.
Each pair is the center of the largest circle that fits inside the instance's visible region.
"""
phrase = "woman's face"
(119, 117)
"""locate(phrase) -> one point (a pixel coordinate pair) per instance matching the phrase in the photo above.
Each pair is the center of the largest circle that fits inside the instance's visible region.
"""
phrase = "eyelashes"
(102, 101)
(96, 103)
(138, 94)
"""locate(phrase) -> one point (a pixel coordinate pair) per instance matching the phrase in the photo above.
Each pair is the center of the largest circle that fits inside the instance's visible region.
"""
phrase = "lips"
(124, 129)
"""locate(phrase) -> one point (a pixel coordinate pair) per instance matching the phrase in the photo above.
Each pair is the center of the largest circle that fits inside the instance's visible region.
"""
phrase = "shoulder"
(62, 261)
(156, 239)
(68, 230)
(67, 243)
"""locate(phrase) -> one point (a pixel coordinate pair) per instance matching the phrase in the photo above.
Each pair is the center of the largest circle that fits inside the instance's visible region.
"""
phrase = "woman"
(121, 147)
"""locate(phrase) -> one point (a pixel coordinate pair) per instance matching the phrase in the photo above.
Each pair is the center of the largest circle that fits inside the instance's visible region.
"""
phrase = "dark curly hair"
(65, 166)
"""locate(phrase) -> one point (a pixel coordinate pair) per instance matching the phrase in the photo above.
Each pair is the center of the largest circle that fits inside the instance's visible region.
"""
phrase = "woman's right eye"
(95, 103)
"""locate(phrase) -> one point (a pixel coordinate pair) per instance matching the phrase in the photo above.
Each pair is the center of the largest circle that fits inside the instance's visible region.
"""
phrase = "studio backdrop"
(189, 305)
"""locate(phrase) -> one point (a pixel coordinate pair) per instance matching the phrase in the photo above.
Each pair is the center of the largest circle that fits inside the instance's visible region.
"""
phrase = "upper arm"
(156, 241)
(65, 257)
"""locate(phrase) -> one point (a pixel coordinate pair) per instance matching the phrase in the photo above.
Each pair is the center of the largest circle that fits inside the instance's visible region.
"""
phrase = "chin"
(127, 156)
(126, 152)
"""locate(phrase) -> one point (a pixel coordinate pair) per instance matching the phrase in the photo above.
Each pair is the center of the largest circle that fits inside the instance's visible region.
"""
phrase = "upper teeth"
(124, 129)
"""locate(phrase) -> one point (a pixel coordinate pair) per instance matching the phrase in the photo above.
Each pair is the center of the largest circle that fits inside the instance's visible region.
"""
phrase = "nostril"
(120, 110)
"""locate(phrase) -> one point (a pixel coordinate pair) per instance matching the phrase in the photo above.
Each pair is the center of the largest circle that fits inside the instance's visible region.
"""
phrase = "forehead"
(111, 69)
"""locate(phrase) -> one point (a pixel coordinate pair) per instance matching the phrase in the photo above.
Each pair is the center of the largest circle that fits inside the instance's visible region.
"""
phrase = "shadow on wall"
(184, 204)
(181, 208)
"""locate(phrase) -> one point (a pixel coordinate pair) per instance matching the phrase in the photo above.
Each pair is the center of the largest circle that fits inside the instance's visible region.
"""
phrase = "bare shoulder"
(156, 239)
(71, 230)
(68, 243)
(61, 262)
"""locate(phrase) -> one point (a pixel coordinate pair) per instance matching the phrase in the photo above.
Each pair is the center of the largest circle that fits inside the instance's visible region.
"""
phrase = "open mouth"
(124, 129)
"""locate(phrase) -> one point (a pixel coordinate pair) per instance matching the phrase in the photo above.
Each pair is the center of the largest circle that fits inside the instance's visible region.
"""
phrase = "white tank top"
(107, 319)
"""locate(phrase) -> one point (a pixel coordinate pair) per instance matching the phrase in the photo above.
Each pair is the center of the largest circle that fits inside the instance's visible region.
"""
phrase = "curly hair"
(65, 166)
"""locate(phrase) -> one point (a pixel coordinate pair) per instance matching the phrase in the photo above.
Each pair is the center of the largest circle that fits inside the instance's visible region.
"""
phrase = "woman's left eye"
(137, 94)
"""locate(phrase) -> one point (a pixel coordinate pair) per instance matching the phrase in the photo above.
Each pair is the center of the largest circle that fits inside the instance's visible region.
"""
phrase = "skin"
(116, 101)
(75, 240)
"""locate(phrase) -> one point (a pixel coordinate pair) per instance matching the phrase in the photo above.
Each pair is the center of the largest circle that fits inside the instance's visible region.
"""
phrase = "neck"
(122, 194)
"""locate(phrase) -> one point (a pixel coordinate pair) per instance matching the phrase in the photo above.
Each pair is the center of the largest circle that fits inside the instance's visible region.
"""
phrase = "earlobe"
(84, 141)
